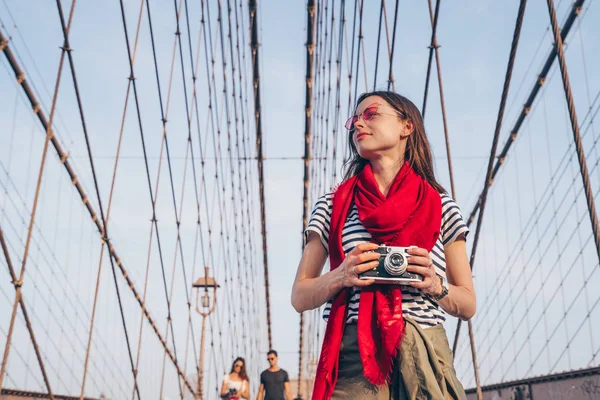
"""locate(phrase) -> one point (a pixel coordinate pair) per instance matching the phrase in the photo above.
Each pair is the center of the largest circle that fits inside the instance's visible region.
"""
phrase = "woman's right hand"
(362, 258)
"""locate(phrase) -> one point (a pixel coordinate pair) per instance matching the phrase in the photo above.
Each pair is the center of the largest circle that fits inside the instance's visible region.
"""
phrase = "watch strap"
(444, 291)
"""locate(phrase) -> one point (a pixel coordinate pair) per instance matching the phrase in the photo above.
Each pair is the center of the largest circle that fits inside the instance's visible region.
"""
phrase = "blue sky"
(475, 39)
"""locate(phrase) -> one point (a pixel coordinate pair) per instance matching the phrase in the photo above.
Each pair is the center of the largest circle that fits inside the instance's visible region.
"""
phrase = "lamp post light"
(207, 306)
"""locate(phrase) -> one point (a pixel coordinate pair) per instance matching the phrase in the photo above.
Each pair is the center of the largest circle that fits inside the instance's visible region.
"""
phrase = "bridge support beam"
(580, 384)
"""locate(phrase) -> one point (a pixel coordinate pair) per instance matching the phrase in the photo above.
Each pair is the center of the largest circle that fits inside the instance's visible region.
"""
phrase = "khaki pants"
(424, 369)
(351, 383)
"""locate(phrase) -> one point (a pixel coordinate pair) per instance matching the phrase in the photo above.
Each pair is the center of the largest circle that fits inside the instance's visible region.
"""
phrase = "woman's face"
(380, 129)
(237, 366)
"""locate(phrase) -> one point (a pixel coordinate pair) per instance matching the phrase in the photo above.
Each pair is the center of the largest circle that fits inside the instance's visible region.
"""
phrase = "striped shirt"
(415, 305)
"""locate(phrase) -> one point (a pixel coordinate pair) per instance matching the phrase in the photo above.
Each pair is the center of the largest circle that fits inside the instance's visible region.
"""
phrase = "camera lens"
(396, 260)
(395, 263)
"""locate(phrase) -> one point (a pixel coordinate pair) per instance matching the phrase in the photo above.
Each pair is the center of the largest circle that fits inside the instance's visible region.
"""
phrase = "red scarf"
(409, 215)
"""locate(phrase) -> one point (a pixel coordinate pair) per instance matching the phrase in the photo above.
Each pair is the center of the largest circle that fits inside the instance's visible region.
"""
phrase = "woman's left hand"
(420, 262)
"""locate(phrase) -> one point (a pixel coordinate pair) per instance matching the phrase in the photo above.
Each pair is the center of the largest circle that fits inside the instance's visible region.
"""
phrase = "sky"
(475, 42)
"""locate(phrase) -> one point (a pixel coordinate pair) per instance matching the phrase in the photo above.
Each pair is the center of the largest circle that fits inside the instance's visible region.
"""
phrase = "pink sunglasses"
(368, 115)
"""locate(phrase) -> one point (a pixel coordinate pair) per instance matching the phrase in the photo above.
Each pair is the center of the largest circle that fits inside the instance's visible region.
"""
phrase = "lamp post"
(204, 309)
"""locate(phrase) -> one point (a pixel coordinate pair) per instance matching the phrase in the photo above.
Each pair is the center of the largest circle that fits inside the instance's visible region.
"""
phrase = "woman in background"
(236, 384)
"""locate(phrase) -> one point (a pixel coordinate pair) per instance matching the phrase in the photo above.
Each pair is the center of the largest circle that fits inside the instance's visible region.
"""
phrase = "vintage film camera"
(391, 270)
(231, 394)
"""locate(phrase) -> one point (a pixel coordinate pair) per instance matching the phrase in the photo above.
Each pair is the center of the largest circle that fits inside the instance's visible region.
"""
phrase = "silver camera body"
(392, 268)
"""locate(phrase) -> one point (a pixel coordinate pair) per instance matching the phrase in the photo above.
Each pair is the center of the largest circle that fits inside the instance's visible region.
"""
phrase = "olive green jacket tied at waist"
(425, 369)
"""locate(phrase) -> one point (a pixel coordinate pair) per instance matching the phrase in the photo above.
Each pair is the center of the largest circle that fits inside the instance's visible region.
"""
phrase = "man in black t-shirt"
(274, 381)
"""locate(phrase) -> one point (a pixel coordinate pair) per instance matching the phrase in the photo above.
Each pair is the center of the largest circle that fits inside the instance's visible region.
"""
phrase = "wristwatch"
(441, 295)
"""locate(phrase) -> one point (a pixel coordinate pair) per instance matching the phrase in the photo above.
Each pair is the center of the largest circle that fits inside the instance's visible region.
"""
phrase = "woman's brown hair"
(242, 374)
(418, 151)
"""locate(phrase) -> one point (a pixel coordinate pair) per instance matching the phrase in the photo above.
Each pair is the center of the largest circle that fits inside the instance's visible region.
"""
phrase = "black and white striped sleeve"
(453, 224)
(319, 220)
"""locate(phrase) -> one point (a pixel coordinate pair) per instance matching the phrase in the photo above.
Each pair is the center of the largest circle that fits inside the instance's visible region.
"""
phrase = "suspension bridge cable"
(560, 52)
(564, 31)
(555, 239)
(338, 61)
(154, 197)
(589, 99)
(387, 31)
(321, 82)
(89, 150)
(326, 68)
(322, 35)
(539, 208)
(545, 310)
(40, 93)
(378, 44)
(152, 225)
(318, 107)
(243, 302)
(222, 174)
(323, 160)
(177, 212)
(433, 46)
(507, 79)
(556, 242)
(310, 47)
(391, 82)
(36, 108)
(229, 263)
(215, 121)
(19, 355)
(194, 106)
(245, 143)
(252, 8)
(537, 214)
(64, 160)
(110, 198)
(19, 299)
(544, 201)
(490, 175)
(240, 132)
(210, 119)
(575, 11)
(360, 40)
(68, 289)
(219, 177)
(351, 67)
(203, 187)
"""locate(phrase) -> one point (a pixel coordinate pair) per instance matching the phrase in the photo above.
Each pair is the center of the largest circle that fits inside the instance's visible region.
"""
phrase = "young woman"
(236, 384)
(386, 340)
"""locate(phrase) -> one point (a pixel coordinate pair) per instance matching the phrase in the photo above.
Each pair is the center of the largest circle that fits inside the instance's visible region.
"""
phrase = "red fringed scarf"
(410, 215)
